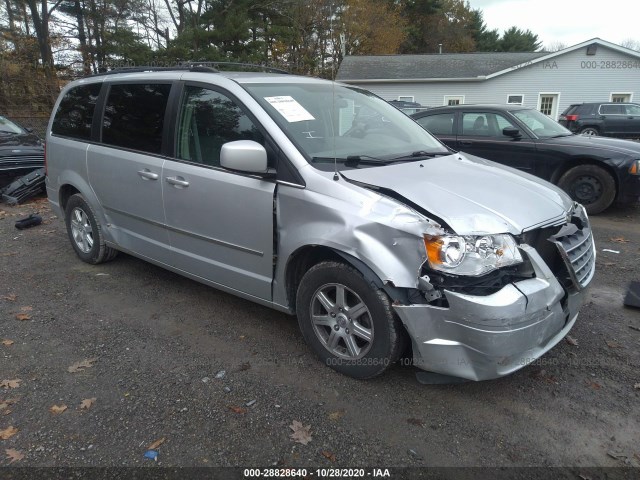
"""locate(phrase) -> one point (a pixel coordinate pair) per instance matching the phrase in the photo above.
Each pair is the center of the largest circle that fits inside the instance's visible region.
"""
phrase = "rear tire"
(85, 233)
(591, 186)
(590, 132)
(349, 323)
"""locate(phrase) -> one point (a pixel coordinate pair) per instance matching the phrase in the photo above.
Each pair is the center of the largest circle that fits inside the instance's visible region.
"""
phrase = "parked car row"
(594, 171)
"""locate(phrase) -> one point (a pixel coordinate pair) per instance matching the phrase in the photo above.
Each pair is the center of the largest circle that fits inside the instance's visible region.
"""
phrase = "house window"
(406, 99)
(453, 99)
(515, 99)
(620, 97)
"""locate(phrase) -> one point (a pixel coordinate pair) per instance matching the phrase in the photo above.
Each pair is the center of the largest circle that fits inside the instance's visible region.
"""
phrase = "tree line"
(67, 38)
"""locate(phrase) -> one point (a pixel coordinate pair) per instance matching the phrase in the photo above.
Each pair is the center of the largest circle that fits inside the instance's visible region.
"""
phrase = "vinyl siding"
(566, 74)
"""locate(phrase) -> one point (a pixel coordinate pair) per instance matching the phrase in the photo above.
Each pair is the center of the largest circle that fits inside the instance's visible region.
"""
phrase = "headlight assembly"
(471, 255)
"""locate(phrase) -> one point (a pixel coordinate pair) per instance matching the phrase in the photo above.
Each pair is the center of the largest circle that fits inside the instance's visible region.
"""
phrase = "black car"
(595, 171)
(21, 151)
(607, 119)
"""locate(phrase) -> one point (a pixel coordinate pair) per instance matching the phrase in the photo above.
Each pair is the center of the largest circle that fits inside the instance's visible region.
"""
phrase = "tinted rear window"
(438, 124)
(134, 116)
(75, 112)
(612, 110)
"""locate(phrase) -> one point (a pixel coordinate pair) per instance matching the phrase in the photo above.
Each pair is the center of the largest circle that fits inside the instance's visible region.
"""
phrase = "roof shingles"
(413, 67)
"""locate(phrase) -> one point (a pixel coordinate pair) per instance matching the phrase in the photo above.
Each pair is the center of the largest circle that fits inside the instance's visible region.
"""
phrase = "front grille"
(568, 251)
(578, 251)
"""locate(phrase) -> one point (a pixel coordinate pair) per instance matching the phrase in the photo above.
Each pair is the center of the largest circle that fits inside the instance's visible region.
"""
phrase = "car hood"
(617, 145)
(19, 139)
(470, 194)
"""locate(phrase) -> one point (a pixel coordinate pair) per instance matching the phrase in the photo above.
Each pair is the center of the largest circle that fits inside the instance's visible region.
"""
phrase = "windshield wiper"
(420, 154)
(352, 160)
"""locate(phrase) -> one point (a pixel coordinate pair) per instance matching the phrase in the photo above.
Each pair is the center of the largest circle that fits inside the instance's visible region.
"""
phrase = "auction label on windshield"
(289, 108)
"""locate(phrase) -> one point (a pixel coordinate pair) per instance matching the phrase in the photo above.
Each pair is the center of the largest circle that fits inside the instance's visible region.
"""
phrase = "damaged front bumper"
(486, 337)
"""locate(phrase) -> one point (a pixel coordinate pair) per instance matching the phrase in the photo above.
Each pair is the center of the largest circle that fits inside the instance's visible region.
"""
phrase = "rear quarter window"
(75, 112)
(134, 116)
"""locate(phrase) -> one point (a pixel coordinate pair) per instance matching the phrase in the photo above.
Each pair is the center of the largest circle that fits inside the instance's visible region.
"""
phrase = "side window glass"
(75, 112)
(134, 116)
(502, 122)
(612, 110)
(633, 109)
(438, 124)
(475, 124)
(208, 120)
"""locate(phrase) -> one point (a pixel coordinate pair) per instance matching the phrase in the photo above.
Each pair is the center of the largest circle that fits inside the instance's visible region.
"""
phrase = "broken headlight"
(471, 255)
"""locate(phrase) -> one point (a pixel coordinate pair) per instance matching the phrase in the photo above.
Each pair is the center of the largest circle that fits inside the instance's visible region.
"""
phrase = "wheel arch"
(305, 257)
(579, 161)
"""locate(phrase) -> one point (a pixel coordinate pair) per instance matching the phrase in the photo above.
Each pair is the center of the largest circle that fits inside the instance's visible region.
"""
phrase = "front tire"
(591, 186)
(349, 323)
(85, 232)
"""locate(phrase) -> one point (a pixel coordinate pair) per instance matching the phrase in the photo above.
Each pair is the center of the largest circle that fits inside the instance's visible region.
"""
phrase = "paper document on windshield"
(289, 108)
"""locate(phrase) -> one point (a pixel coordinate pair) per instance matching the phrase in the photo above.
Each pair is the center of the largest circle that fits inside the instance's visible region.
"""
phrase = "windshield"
(7, 126)
(330, 121)
(540, 124)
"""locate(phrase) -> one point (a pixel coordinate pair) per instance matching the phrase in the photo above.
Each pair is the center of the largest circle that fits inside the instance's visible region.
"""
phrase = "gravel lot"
(159, 342)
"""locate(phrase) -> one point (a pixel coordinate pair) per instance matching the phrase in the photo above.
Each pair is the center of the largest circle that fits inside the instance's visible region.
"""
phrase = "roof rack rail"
(215, 65)
(142, 68)
(191, 66)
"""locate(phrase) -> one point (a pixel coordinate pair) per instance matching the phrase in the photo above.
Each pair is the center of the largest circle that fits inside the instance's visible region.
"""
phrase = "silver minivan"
(321, 200)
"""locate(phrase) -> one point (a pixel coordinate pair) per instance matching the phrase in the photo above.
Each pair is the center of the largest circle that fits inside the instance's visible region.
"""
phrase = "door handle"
(177, 181)
(147, 174)
(466, 142)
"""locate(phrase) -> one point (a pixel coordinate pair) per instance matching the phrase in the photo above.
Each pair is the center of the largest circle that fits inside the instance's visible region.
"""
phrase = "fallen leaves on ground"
(81, 365)
(612, 344)
(328, 455)
(6, 342)
(22, 317)
(415, 421)
(4, 406)
(10, 383)
(26, 308)
(239, 410)
(301, 434)
(8, 432)
(544, 375)
(10, 298)
(619, 240)
(13, 455)
(571, 341)
(245, 366)
(336, 415)
(156, 444)
(594, 385)
(87, 403)
(57, 409)
(637, 386)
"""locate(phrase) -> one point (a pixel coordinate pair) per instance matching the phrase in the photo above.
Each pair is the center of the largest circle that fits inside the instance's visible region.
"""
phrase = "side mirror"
(244, 156)
(511, 132)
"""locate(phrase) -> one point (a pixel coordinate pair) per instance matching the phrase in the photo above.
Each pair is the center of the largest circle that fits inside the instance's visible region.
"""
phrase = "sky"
(567, 21)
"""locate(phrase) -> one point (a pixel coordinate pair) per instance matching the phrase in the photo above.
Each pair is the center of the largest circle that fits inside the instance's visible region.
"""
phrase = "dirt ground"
(147, 349)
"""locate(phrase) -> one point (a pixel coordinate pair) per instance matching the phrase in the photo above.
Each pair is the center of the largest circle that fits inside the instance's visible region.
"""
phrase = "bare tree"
(555, 46)
(631, 43)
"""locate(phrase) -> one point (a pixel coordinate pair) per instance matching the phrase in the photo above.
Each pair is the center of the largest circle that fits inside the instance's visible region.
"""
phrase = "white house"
(592, 71)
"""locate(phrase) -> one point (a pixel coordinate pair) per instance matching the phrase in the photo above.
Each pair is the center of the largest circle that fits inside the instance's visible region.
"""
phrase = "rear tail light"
(571, 118)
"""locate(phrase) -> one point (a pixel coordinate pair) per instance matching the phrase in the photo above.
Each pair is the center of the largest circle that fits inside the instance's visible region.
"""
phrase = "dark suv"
(606, 119)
